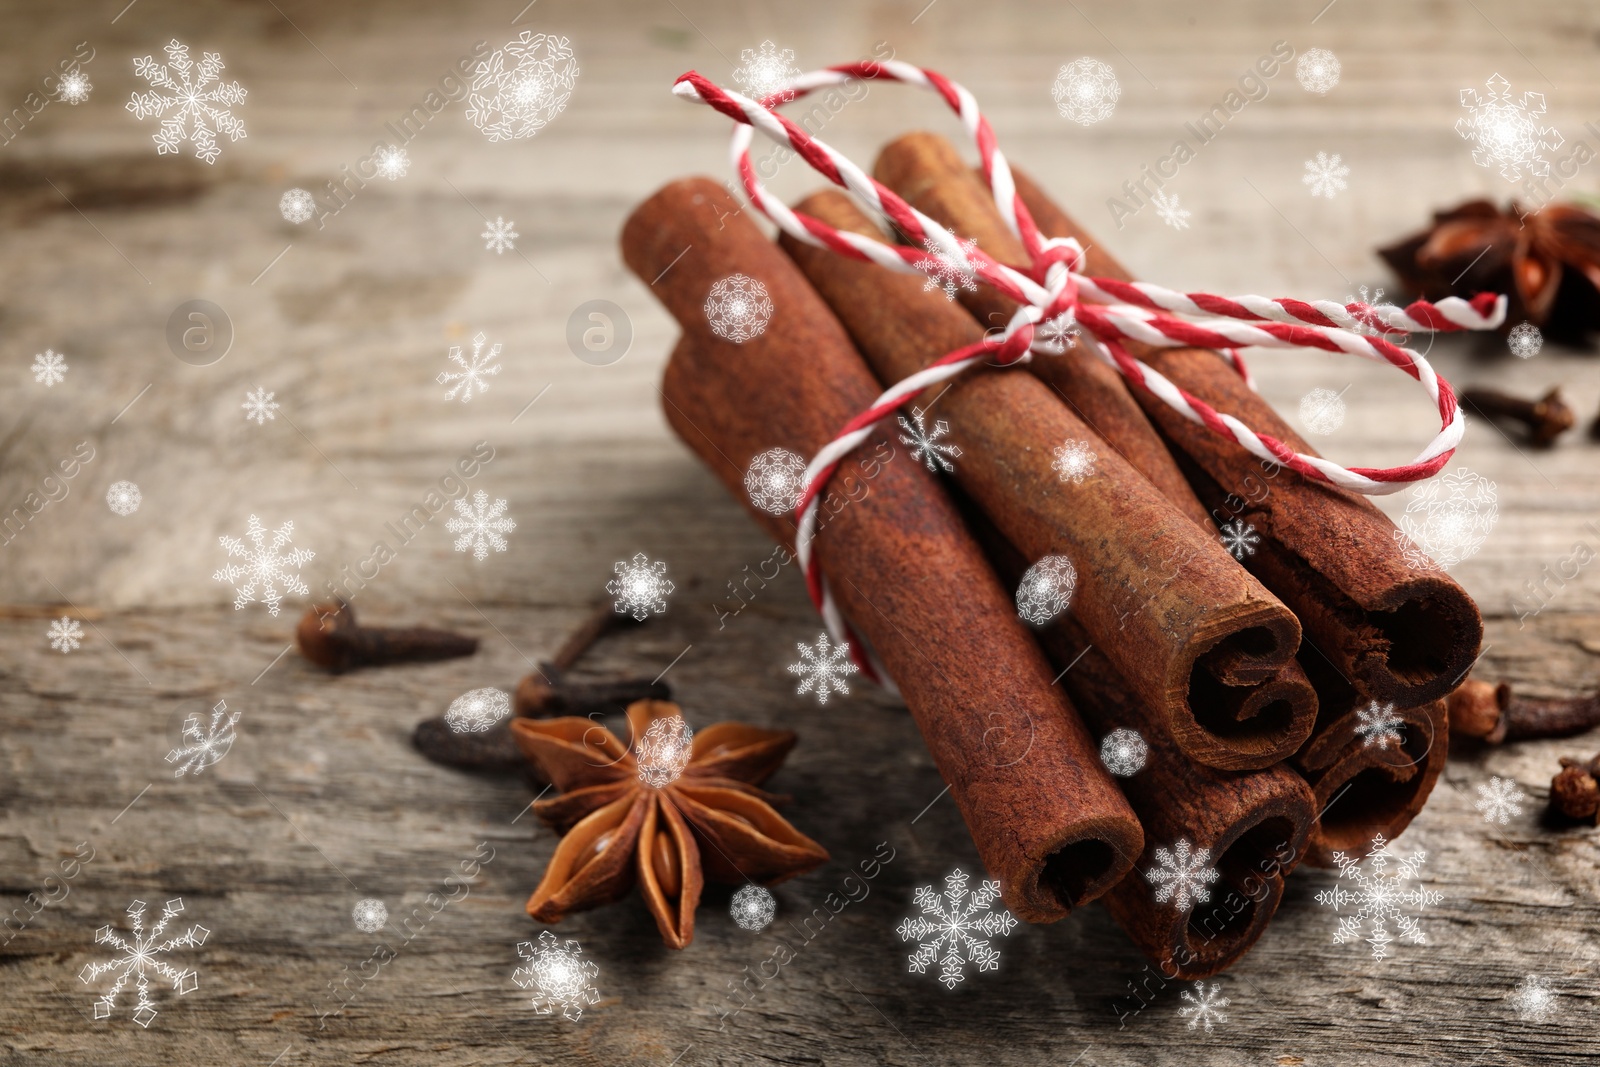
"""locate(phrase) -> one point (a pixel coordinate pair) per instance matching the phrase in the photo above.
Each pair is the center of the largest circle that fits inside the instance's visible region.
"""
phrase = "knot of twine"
(1053, 291)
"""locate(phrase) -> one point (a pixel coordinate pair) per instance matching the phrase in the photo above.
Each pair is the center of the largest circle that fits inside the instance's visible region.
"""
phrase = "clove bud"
(330, 637)
(1545, 419)
(1495, 714)
(1575, 792)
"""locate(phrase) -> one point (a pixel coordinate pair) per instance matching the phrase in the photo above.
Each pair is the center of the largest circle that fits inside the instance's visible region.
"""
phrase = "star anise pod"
(1547, 261)
(667, 811)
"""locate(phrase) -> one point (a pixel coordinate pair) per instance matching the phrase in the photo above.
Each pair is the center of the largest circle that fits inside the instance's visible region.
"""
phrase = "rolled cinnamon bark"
(1047, 820)
(1398, 634)
(1197, 636)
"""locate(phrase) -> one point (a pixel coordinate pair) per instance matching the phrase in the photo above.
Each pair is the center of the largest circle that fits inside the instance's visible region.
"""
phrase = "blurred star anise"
(1547, 261)
(667, 811)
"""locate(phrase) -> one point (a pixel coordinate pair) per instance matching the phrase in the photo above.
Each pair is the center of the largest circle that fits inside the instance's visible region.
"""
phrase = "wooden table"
(322, 801)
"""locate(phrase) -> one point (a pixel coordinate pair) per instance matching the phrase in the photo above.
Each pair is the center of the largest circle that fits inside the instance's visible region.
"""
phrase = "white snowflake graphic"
(1326, 175)
(753, 908)
(947, 932)
(65, 634)
(476, 711)
(392, 162)
(928, 445)
(1317, 71)
(1447, 520)
(474, 369)
(1322, 411)
(1505, 132)
(1525, 340)
(1533, 1000)
(774, 481)
(738, 308)
(1380, 895)
(1205, 1006)
(297, 206)
(74, 87)
(1124, 752)
(143, 958)
(1055, 335)
(765, 71)
(1168, 211)
(480, 525)
(1372, 305)
(663, 752)
(1046, 589)
(49, 367)
(950, 270)
(823, 668)
(1239, 538)
(640, 587)
(123, 498)
(265, 567)
(558, 976)
(198, 746)
(1086, 91)
(201, 105)
(370, 915)
(1500, 800)
(259, 406)
(1379, 726)
(1074, 462)
(1183, 876)
(499, 235)
(522, 86)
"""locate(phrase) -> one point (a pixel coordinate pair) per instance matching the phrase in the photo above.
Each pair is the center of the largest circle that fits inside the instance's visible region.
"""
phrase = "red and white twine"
(1052, 285)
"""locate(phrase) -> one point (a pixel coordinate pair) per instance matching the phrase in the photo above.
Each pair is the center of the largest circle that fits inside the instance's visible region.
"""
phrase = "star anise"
(1547, 261)
(667, 811)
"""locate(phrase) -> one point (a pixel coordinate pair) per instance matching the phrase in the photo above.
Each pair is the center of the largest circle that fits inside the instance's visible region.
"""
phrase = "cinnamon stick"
(1197, 636)
(1399, 634)
(1047, 820)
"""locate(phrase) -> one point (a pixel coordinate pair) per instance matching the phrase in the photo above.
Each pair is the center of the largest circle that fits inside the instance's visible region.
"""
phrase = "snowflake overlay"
(74, 87)
(49, 367)
(1447, 520)
(499, 235)
(958, 917)
(476, 711)
(1369, 304)
(1086, 91)
(201, 105)
(765, 71)
(1500, 800)
(473, 371)
(640, 587)
(1046, 589)
(753, 908)
(1182, 877)
(664, 750)
(260, 406)
(124, 498)
(370, 915)
(1326, 175)
(774, 481)
(558, 976)
(738, 308)
(265, 567)
(480, 525)
(1380, 896)
(1168, 211)
(927, 445)
(1379, 725)
(142, 958)
(521, 87)
(1074, 462)
(1507, 133)
(823, 668)
(1524, 340)
(199, 747)
(1123, 752)
(1239, 538)
(1533, 1000)
(951, 271)
(1322, 411)
(1205, 1006)
(393, 162)
(65, 634)
(1317, 71)
(297, 206)
(1054, 336)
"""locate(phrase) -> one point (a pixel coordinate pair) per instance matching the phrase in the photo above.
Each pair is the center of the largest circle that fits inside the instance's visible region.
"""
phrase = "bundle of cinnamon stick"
(1254, 682)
